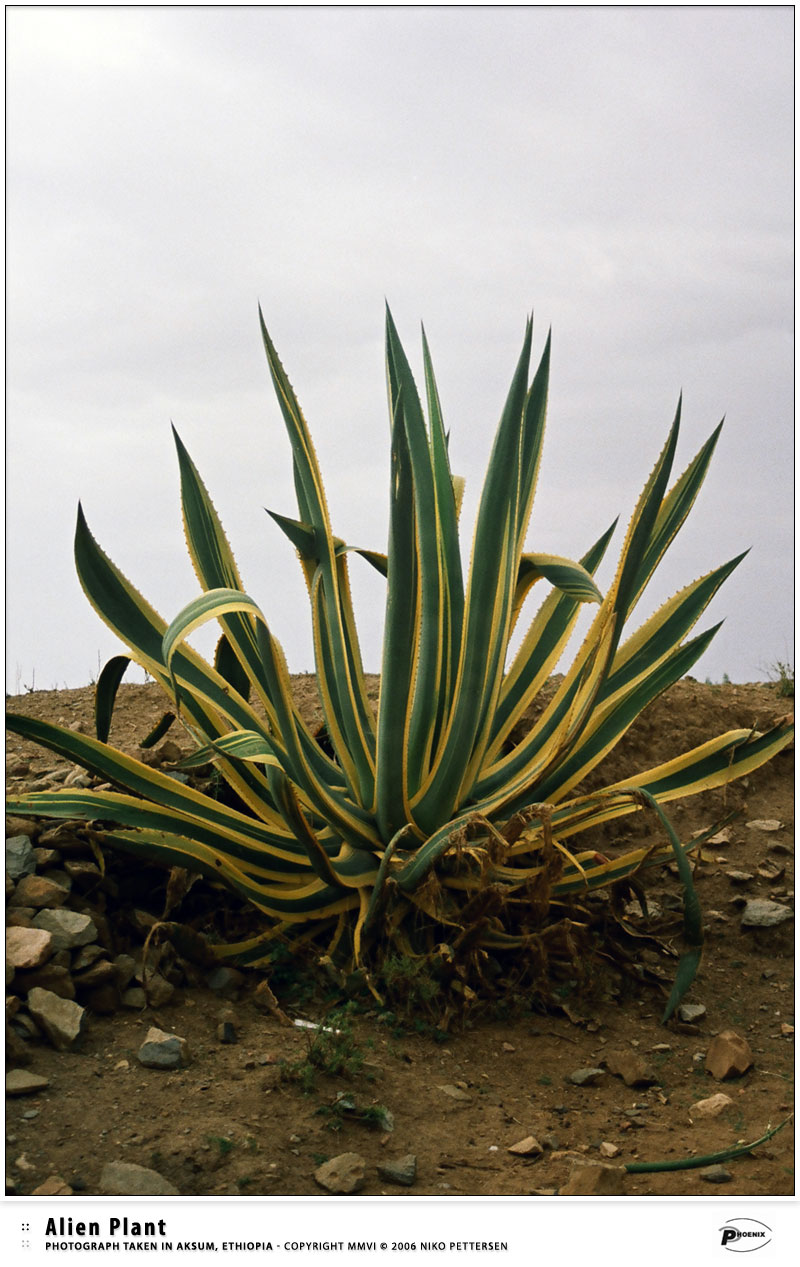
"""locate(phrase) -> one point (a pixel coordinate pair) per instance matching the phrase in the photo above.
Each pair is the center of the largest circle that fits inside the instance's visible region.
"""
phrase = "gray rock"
(585, 1077)
(157, 989)
(716, 1174)
(60, 1019)
(20, 858)
(761, 913)
(133, 998)
(691, 1013)
(456, 1093)
(85, 956)
(68, 928)
(403, 1171)
(23, 1082)
(124, 1179)
(225, 981)
(28, 947)
(342, 1175)
(163, 1051)
(124, 968)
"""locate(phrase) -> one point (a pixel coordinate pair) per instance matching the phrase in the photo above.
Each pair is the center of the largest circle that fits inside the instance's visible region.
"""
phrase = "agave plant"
(434, 825)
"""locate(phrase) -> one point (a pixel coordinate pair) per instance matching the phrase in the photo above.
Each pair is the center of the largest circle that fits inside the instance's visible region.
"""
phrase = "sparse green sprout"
(782, 674)
(435, 828)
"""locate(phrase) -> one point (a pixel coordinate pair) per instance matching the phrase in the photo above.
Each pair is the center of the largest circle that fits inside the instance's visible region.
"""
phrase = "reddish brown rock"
(28, 947)
(728, 1056)
(631, 1067)
(594, 1179)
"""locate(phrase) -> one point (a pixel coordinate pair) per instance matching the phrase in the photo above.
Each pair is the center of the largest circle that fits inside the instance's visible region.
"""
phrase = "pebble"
(53, 1186)
(342, 1175)
(24, 1082)
(690, 1013)
(60, 1019)
(161, 1050)
(712, 1107)
(527, 1147)
(403, 1171)
(716, 1174)
(455, 1093)
(585, 1077)
(728, 1056)
(594, 1178)
(124, 1179)
(759, 912)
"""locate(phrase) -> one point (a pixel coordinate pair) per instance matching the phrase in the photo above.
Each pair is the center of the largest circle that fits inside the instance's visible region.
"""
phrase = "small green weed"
(332, 1050)
(223, 1142)
(782, 676)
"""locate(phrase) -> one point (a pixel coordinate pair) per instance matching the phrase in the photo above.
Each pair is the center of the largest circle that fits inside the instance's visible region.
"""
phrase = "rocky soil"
(205, 1084)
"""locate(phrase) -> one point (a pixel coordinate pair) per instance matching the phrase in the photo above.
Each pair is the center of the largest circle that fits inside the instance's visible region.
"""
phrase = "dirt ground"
(234, 1120)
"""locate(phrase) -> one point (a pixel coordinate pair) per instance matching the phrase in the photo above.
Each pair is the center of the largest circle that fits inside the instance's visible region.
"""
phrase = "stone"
(226, 1032)
(68, 928)
(85, 956)
(765, 824)
(225, 981)
(134, 998)
(53, 1186)
(24, 1082)
(342, 1175)
(157, 989)
(51, 976)
(28, 947)
(607, 1149)
(82, 869)
(124, 1179)
(594, 1179)
(124, 968)
(691, 1013)
(759, 912)
(16, 826)
(455, 1093)
(712, 1107)
(19, 916)
(585, 1077)
(728, 1056)
(716, 1174)
(98, 973)
(61, 1020)
(403, 1171)
(527, 1147)
(20, 858)
(631, 1067)
(163, 1051)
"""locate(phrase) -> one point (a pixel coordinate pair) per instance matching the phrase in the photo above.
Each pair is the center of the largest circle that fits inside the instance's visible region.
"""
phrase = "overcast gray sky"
(624, 172)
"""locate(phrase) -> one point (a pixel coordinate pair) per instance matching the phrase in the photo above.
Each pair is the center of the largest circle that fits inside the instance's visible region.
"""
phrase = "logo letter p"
(729, 1234)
